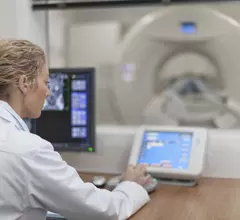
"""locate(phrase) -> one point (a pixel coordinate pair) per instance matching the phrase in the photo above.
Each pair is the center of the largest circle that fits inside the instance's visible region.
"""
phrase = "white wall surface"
(57, 35)
(30, 25)
(17, 20)
(8, 24)
(92, 44)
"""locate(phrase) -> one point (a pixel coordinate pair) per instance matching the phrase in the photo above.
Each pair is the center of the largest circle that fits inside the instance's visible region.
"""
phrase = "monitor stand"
(177, 182)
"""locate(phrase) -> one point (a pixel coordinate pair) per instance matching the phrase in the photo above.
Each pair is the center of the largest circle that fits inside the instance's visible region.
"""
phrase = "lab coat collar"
(7, 113)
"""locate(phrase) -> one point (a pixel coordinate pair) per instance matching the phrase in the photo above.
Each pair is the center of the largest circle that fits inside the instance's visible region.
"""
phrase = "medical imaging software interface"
(67, 119)
(166, 149)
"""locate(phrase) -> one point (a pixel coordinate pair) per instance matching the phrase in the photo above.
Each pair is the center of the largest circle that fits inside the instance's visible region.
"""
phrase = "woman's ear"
(24, 85)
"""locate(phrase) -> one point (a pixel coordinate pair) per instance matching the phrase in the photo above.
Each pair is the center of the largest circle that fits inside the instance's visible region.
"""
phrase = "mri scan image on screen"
(55, 101)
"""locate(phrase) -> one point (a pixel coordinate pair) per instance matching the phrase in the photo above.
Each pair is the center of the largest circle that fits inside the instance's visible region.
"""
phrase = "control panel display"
(166, 149)
(188, 27)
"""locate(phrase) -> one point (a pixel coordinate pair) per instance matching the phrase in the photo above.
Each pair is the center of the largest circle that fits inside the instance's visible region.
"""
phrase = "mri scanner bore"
(184, 58)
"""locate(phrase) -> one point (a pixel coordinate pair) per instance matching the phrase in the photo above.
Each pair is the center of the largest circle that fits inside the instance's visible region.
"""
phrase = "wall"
(93, 44)
(7, 10)
(58, 36)
(17, 20)
(31, 25)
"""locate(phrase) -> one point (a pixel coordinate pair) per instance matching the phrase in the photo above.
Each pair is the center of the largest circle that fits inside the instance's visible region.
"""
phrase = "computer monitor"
(67, 119)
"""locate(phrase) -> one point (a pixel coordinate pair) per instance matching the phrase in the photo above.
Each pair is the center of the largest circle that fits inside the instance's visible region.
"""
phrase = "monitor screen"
(67, 119)
(166, 149)
(188, 27)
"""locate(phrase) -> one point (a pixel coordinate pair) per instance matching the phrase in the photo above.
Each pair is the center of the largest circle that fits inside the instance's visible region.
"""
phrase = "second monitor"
(170, 153)
(67, 119)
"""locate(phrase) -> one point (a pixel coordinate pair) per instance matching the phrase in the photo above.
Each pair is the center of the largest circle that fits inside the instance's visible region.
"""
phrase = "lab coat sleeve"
(57, 187)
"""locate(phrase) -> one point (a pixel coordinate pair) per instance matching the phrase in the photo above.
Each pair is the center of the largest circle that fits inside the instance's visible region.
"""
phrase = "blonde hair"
(17, 58)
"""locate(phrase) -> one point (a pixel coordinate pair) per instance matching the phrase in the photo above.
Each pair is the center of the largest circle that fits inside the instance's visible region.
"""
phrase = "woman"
(34, 178)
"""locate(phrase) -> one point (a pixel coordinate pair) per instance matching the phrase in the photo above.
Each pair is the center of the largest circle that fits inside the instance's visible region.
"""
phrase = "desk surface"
(212, 199)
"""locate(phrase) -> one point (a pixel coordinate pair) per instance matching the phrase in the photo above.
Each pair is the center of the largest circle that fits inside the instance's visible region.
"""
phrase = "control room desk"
(212, 199)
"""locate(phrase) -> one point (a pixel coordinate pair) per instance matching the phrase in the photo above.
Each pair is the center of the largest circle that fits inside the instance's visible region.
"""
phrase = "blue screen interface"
(188, 27)
(166, 149)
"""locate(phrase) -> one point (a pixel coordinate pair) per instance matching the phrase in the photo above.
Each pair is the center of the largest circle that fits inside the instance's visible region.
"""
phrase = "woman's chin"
(35, 115)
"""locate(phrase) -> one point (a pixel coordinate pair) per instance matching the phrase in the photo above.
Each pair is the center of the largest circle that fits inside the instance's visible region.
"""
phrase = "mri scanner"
(178, 66)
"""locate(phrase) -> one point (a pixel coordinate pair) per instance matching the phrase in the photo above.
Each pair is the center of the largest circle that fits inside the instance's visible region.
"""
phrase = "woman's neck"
(16, 104)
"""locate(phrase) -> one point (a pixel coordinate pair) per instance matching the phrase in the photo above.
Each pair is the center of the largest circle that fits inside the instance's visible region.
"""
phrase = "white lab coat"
(34, 178)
